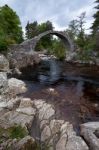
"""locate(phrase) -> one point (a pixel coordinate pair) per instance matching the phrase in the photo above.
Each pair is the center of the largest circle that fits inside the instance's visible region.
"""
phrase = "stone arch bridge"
(28, 46)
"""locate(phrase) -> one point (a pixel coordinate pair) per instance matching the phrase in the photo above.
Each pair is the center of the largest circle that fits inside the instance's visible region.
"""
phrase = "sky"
(59, 12)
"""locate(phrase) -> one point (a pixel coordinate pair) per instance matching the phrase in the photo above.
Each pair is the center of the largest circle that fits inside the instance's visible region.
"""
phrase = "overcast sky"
(60, 12)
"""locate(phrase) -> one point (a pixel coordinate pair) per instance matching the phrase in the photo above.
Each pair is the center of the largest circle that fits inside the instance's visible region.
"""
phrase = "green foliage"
(58, 49)
(76, 30)
(33, 29)
(73, 29)
(16, 131)
(10, 28)
(95, 26)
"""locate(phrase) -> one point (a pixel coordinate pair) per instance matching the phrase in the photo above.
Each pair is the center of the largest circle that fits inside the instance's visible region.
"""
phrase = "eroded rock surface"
(16, 86)
(4, 64)
(88, 132)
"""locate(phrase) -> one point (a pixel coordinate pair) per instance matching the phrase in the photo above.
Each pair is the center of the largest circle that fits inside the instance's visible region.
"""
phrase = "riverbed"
(74, 98)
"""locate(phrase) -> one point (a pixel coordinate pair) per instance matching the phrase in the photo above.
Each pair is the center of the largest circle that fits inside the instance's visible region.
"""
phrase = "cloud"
(60, 12)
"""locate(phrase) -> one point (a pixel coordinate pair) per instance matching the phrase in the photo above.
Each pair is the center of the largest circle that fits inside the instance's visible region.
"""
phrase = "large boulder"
(21, 59)
(4, 64)
(22, 63)
(90, 131)
(16, 86)
(13, 117)
(26, 107)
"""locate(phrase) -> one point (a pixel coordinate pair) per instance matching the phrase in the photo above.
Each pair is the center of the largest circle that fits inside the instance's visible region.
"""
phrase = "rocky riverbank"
(27, 124)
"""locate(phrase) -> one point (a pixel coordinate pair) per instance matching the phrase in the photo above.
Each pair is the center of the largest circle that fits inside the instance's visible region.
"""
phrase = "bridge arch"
(31, 43)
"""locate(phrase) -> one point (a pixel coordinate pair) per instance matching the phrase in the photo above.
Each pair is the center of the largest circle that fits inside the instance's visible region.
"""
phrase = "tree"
(10, 27)
(46, 41)
(81, 40)
(31, 29)
(58, 49)
(73, 29)
(95, 26)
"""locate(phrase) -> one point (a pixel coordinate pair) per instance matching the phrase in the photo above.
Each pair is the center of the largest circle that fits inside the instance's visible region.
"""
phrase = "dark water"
(73, 93)
(76, 101)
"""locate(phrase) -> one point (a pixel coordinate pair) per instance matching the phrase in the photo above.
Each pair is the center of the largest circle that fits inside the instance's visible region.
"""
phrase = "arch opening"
(32, 43)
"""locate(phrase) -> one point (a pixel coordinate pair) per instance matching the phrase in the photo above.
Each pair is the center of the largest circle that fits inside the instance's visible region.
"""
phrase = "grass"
(16, 131)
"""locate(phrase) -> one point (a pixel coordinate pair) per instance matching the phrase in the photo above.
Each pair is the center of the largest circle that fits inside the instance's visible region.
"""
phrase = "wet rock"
(16, 86)
(4, 64)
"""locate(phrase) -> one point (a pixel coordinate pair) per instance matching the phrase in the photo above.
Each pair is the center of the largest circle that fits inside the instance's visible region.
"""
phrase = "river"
(75, 96)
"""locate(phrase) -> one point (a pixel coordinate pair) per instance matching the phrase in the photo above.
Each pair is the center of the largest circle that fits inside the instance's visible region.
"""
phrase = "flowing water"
(75, 98)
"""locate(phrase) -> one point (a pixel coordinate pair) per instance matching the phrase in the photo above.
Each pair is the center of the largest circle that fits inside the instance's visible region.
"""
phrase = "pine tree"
(95, 26)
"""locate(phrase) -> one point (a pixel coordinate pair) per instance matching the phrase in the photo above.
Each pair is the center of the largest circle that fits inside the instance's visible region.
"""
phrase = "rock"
(71, 56)
(76, 143)
(46, 134)
(46, 112)
(97, 61)
(26, 107)
(26, 102)
(3, 83)
(21, 59)
(16, 86)
(88, 132)
(27, 111)
(97, 133)
(61, 144)
(3, 104)
(13, 117)
(68, 129)
(90, 126)
(55, 126)
(13, 103)
(4, 64)
(38, 103)
(27, 143)
(91, 139)
(43, 123)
